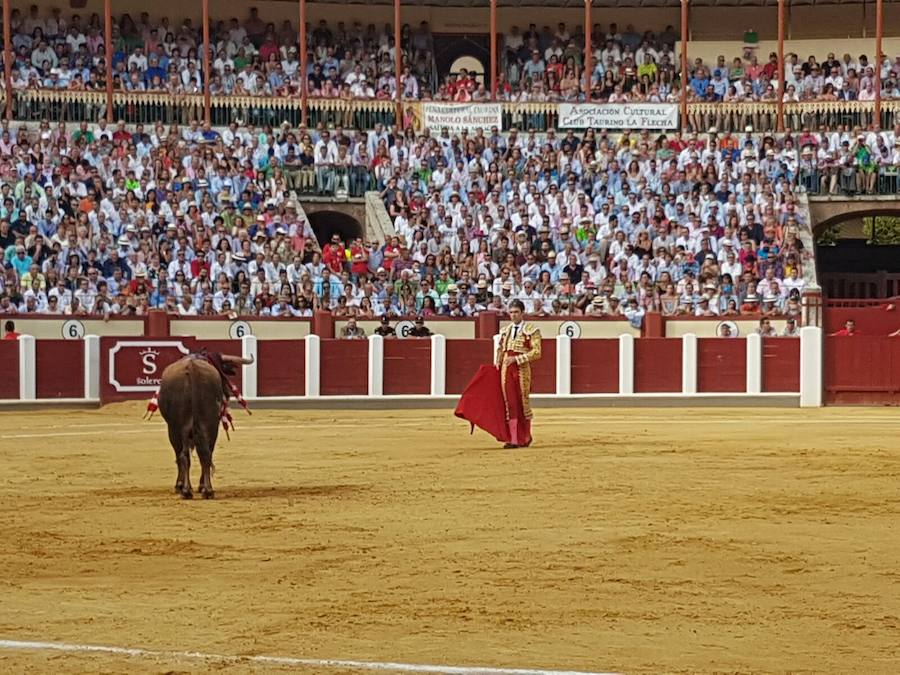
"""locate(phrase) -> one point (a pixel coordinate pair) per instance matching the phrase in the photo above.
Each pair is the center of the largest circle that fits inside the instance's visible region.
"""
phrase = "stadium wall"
(409, 372)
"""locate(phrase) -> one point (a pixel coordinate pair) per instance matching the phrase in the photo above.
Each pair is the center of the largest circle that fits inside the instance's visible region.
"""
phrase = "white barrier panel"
(249, 371)
(27, 385)
(313, 351)
(438, 365)
(376, 365)
(92, 366)
(754, 363)
(810, 394)
(811, 367)
(689, 364)
(563, 365)
(626, 364)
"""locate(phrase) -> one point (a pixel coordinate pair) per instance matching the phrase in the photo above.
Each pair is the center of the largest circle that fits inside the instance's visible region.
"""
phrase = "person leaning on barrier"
(385, 329)
(352, 331)
(849, 329)
(420, 329)
(765, 328)
(9, 329)
(791, 329)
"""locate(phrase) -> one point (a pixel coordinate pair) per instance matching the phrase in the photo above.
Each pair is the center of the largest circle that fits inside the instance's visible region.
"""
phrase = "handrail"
(150, 106)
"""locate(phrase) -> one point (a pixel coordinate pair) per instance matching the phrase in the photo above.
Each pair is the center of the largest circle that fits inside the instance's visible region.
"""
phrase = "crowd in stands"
(250, 56)
(105, 221)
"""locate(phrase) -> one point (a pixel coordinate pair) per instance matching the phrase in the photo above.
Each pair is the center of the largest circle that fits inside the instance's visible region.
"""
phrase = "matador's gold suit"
(521, 341)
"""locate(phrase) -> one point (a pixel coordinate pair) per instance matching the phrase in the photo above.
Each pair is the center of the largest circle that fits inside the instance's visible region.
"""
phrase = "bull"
(193, 395)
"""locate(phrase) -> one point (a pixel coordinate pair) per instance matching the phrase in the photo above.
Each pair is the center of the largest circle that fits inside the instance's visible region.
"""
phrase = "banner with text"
(461, 116)
(618, 115)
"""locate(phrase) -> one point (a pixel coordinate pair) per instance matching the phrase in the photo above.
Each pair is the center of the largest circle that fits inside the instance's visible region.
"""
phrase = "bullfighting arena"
(351, 542)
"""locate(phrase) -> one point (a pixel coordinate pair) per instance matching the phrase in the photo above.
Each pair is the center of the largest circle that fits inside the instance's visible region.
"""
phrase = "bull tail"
(206, 401)
(197, 430)
(187, 432)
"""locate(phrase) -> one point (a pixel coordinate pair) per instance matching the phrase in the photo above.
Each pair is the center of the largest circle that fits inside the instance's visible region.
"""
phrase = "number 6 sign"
(570, 329)
(239, 329)
(72, 329)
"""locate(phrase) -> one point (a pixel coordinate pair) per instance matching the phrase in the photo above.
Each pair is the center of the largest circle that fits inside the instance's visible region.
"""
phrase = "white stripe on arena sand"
(25, 645)
(542, 422)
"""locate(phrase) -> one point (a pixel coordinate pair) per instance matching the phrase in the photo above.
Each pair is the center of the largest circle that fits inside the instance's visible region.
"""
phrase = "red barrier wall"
(780, 364)
(721, 365)
(543, 373)
(595, 366)
(862, 369)
(59, 368)
(877, 320)
(232, 347)
(407, 366)
(657, 365)
(9, 369)
(344, 368)
(463, 360)
(281, 368)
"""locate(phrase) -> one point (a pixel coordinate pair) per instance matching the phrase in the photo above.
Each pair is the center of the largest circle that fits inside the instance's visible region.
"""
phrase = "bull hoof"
(187, 494)
(208, 494)
(178, 488)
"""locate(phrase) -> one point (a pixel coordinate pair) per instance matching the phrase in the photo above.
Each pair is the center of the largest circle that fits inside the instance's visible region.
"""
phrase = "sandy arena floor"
(628, 541)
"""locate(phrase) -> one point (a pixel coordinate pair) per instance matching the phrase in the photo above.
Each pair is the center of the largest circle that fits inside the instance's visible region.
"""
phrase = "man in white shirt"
(528, 295)
(138, 60)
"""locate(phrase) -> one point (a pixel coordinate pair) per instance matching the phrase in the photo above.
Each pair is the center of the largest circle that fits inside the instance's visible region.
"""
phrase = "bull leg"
(175, 440)
(187, 492)
(205, 447)
(206, 488)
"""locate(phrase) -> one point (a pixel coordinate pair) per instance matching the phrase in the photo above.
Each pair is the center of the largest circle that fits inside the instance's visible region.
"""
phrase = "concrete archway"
(326, 222)
(828, 211)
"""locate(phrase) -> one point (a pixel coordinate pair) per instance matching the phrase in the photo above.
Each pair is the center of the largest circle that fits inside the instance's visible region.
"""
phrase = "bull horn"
(237, 360)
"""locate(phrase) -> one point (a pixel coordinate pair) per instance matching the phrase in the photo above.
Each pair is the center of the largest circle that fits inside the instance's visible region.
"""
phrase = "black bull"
(191, 397)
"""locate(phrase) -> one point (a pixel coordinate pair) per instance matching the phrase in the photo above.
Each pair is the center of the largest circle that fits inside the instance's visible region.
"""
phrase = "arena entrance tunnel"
(327, 223)
(826, 212)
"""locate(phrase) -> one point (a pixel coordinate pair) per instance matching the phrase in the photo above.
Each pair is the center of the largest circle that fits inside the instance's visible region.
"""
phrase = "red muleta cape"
(482, 405)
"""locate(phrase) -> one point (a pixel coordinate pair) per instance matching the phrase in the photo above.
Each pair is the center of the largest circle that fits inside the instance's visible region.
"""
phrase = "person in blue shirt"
(699, 82)
(21, 261)
(154, 70)
(333, 283)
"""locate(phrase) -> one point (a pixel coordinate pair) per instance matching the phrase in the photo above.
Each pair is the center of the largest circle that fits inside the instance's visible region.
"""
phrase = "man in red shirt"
(334, 255)
(770, 70)
(359, 257)
(848, 330)
(10, 328)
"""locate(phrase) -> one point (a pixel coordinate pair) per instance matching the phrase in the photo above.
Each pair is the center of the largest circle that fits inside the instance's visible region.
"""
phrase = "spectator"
(420, 329)
(791, 329)
(9, 328)
(765, 328)
(385, 329)
(848, 330)
(351, 331)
